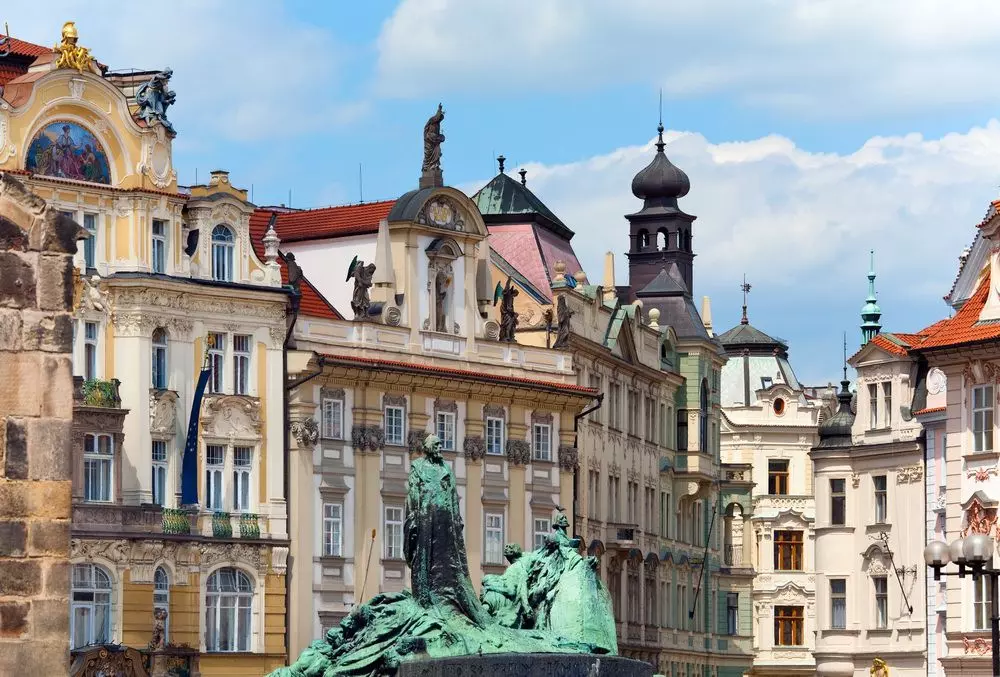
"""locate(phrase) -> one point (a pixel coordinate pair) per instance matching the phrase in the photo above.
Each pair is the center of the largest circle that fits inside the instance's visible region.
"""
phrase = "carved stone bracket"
(475, 448)
(306, 432)
(569, 458)
(368, 438)
(279, 559)
(518, 452)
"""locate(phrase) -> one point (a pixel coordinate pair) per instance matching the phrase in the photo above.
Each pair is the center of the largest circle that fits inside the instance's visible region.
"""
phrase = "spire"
(870, 312)
(746, 290)
(524, 173)
(500, 160)
(845, 358)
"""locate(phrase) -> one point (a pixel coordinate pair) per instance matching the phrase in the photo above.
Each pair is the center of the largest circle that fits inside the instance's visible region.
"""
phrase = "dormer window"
(766, 382)
(223, 244)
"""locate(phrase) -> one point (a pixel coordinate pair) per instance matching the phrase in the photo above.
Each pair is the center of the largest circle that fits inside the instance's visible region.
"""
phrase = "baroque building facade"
(167, 285)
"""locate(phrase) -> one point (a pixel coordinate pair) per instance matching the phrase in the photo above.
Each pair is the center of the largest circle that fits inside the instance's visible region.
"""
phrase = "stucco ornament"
(979, 519)
(162, 412)
(231, 416)
(936, 381)
(306, 432)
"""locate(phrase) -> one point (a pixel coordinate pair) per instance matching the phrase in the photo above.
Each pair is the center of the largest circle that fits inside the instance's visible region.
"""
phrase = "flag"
(189, 465)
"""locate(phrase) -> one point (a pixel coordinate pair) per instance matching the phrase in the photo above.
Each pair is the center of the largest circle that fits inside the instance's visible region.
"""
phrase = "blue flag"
(189, 465)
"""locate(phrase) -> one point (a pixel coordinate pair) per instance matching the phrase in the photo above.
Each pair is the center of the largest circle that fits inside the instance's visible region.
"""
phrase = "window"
(982, 603)
(228, 611)
(777, 477)
(541, 448)
(838, 603)
(495, 436)
(632, 499)
(703, 440)
(159, 246)
(632, 400)
(788, 626)
(161, 596)
(333, 419)
(650, 420)
(98, 462)
(982, 418)
(665, 608)
(594, 381)
(90, 244)
(90, 614)
(887, 403)
(881, 602)
(682, 431)
(241, 478)
(650, 590)
(159, 359)
(594, 494)
(393, 533)
(159, 456)
(446, 430)
(838, 502)
(881, 502)
(216, 361)
(732, 613)
(614, 495)
(222, 254)
(542, 529)
(788, 550)
(241, 364)
(614, 406)
(394, 432)
(333, 519)
(872, 406)
(89, 351)
(494, 539)
(215, 456)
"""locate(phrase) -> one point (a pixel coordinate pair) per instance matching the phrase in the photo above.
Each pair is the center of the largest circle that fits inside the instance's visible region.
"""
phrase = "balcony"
(622, 535)
(222, 525)
(114, 518)
(176, 521)
(732, 555)
(98, 393)
(249, 525)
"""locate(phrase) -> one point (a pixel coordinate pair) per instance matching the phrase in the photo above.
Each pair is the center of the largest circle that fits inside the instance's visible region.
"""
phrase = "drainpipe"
(576, 472)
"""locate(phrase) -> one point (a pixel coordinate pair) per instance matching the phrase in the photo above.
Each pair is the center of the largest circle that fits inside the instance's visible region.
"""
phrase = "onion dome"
(660, 179)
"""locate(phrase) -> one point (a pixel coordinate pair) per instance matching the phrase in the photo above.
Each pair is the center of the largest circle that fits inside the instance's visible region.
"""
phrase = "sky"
(813, 131)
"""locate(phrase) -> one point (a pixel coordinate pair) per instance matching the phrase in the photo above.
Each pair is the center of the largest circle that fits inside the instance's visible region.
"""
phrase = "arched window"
(703, 442)
(687, 240)
(90, 612)
(222, 254)
(160, 359)
(228, 611)
(161, 596)
(643, 239)
(662, 239)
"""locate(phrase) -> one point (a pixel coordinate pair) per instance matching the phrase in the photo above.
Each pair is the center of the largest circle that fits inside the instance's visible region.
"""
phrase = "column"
(367, 501)
(302, 512)
(519, 452)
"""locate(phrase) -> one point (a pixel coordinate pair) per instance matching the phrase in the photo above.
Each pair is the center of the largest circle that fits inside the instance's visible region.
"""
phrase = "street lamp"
(972, 554)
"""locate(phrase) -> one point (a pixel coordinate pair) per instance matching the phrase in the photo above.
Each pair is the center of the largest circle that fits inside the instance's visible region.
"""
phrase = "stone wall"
(36, 409)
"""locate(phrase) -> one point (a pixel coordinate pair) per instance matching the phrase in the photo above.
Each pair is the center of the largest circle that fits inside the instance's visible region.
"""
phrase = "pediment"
(231, 417)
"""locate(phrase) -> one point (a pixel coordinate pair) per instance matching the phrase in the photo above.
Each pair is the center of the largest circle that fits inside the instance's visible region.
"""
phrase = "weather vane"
(746, 290)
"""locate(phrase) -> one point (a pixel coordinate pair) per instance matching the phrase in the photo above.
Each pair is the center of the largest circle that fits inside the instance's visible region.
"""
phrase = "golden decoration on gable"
(72, 55)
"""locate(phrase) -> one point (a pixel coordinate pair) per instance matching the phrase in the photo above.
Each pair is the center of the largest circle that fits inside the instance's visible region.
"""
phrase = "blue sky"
(812, 130)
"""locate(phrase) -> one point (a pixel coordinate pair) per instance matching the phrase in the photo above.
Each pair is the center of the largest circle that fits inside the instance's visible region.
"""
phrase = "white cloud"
(817, 57)
(242, 71)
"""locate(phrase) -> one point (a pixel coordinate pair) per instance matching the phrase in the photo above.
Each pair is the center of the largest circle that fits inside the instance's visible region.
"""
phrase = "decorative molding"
(491, 330)
(393, 401)
(736, 475)
(306, 432)
(936, 381)
(982, 474)
(393, 316)
(569, 458)
(134, 324)
(475, 448)
(445, 406)
(855, 480)
(979, 519)
(163, 413)
(368, 438)
(541, 418)
(518, 452)
(441, 212)
(233, 554)
(117, 551)
(910, 473)
(231, 417)
(977, 646)
(331, 394)
(279, 559)
(160, 299)
(494, 411)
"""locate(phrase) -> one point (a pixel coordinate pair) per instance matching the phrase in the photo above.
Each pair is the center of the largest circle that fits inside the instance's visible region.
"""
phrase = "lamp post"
(972, 554)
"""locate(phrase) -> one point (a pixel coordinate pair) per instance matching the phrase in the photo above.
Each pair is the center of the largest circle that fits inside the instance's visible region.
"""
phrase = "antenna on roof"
(196, 176)
(251, 192)
(289, 198)
(361, 185)
(661, 105)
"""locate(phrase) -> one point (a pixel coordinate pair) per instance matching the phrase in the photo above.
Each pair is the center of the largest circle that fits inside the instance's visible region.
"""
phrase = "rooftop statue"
(563, 316)
(433, 138)
(154, 98)
(442, 617)
(362, 274)
(71, 55)
(508, 316)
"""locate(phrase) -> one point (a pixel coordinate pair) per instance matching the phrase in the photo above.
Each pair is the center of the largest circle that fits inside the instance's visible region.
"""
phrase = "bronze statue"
(154, 98)
(362, 275)
(563, 315)
(433, 138)
(508, 316)
(294, 272)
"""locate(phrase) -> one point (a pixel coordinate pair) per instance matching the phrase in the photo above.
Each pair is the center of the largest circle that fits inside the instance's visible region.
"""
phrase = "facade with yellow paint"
(167, 284)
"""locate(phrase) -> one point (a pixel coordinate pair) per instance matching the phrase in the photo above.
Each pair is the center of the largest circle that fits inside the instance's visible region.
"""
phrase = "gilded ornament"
(71, 55)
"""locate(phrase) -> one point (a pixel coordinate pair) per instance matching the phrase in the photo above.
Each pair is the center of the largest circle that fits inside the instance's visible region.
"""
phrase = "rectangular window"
(650, 420)
(446, 430)
(632, 399)
(394, 433)
(788, 550)
(542, 529)
(982, 603)
(881, 602)
(788, 621)
(393, 533)
(881, 499)
(241, 478)
(838, 603)
(614, 406)
(732, 613)
(159, 246)
(682, 431)
(493, 553)
(159, 367)
(594, 381)
(159, 455)
(89, 351)
(887, 403)
(98, 464)
(495, 436)
(333, 419)
(982, 418)
(216, 361)
(541, 447)
(333, 517)
(614, 493)
(241, 364)
(215, 457)
(90, 244)
(872, 406)
(777, 477)
(838, 502)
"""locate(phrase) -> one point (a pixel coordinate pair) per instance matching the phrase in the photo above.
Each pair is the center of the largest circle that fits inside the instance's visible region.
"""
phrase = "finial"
(746, 290)
(845, 355)
(659, 128)
(523, 172)
(500, 160)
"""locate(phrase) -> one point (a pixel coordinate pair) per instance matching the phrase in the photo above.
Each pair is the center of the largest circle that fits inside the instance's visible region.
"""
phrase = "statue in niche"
(508, 317)
(154, 98)
(362, 275)
(433, 138)
(442, 283)
(563, 315)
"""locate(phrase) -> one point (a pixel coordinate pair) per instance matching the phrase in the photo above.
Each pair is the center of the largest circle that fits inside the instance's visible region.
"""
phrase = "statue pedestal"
(527, 665)
(431, 178)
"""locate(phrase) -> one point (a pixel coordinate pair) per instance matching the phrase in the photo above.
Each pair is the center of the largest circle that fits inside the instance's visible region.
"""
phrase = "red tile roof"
(22, 48)
(965, 327)
(328, 222)
(16, 63)
(890, 346)
(929, 410)
(463, 373)
(312, 303)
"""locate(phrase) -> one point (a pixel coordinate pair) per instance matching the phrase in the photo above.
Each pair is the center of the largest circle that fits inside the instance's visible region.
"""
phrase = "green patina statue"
(549, 600)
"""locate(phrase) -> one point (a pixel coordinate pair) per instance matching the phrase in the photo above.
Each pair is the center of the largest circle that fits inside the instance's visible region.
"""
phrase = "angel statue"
(362, 275)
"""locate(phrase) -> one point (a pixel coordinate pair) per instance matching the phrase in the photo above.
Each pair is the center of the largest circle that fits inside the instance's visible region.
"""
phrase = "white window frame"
(732, 613)
(493, 535)
(160, 365)
(241, 363)
(541, 442)
(881, 498)
(217, 362)
(873, 396)
(161, 597)
(838, 601)
(91, 352)
(982, 603)
(158, 455)
(332, 414)
(215, 488)
(393, 522)
(880, 588)
(223, 248)
(444, 425)
(982, 423)
(543, 527)
(91, 588)
(242, 486)
(391, 436)
(333, 529)
(99, 467)
(887, 404)
(90, 244)
(239, 602)
(158, 251)
(496, 434)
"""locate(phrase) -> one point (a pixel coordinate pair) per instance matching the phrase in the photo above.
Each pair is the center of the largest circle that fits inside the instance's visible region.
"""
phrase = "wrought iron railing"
(222, 525)
(249, 525)
(176, 521)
